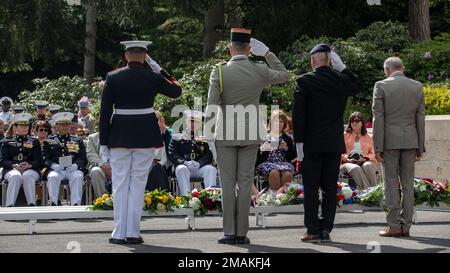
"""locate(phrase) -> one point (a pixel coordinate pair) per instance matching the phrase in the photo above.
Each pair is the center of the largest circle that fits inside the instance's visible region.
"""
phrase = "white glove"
(105, 153)
(336, 61)
(72, 168)
(195, 165)
(300, 154)
(153, 65)
(56, 167)
(258, 48)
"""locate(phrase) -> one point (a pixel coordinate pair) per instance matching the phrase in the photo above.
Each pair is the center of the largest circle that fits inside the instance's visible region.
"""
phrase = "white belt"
(132, 112)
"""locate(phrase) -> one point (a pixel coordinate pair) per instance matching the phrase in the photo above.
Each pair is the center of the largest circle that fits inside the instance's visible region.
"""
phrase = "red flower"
(339, 186)
(340, 197)
(355, 193)
(299, 191)
(209, 204)
(196, 194)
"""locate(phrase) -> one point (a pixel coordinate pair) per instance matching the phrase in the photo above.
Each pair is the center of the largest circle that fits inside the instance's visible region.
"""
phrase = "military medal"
(20, 157)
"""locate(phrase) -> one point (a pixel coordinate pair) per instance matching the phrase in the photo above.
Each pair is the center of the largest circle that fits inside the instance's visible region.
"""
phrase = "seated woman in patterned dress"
(275, 155)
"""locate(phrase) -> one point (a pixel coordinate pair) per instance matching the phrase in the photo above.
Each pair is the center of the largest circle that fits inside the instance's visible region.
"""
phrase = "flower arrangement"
(155, 201)
(431, 192)
(103, 203)
(206, 200)
(160, 201)
(372, 197)
(346, 195)
(426, 191)
(292, 194)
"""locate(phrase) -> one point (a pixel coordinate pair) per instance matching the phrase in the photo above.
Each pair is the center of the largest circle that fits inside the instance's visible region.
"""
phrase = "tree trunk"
(234, 12)
(419, 20)
(90, 42)
(214, 26)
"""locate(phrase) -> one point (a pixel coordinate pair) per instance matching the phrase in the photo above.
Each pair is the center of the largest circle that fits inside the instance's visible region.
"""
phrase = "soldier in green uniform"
(235, 91)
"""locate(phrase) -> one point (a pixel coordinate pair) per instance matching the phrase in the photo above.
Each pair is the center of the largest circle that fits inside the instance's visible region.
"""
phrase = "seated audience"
(359, 162)
(275, 155)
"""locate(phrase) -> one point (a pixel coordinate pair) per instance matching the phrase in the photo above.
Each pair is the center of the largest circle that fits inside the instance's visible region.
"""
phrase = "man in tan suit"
(99, 171)
(234, 97)
(399, 138)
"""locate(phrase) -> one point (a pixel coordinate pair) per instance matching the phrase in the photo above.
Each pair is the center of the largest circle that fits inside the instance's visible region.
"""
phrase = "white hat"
(22, 118)
(6, 98)
(64, 117)
(136, 44)
(41, 103)
(192, 114)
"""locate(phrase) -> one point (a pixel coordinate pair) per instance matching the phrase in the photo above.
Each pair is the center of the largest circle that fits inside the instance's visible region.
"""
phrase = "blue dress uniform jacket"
(181, 150)
(320, 100)
(133, 87)
(58, 146)
(18, 149)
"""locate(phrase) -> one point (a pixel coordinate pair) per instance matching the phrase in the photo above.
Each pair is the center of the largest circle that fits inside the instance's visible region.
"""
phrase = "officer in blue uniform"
(65, 157)
(129, 134)
(191, 154)
(21, 160)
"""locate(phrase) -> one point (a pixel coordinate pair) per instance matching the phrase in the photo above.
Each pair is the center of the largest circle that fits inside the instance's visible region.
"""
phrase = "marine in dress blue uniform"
(191, 154)
(65, 145)
(129, 133)
(21, 159)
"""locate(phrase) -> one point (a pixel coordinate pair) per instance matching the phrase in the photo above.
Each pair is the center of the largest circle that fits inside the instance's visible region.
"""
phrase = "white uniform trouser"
(75, 183)
(130, 169)
(15, 180)
(183, 174)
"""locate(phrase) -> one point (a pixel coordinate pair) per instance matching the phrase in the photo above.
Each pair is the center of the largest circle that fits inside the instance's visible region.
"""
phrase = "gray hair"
(240, 46)
(394, 63)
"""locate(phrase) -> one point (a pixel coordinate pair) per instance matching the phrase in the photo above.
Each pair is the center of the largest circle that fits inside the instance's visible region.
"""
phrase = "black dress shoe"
(227, 240)
(32, 205)
(135, 241)
(117, 241)
(242, 240)
(326, 238)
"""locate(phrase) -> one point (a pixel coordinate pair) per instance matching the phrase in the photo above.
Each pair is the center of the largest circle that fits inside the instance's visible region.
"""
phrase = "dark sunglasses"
(42, 130)
(356, 121)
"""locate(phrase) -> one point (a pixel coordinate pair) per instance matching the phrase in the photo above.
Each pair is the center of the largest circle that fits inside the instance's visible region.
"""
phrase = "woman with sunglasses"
(42, 130)
(359, 162)
(21, 159)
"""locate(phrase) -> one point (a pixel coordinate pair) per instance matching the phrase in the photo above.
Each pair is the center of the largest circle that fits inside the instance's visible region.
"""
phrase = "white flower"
(422, 188)
(195, 203)
(109, 202)
(281, 196)
(278, 202)
(215, 196)
(347, 192)
(161, 207)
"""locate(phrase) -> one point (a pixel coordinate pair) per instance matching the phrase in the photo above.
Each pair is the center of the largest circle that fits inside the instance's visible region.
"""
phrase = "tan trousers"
(236, 168)
(398, 173)
(365, 176)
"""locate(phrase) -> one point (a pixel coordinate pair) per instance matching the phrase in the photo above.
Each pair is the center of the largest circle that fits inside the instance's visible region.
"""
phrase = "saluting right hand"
(258, 48)
(153, 65)
(337, 62)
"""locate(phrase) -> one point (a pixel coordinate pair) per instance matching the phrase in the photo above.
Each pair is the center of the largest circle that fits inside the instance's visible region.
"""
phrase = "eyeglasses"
(356, 121)
(42, 130)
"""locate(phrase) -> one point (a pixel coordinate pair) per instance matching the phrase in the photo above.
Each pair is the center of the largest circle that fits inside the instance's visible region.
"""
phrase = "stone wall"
(436, 161)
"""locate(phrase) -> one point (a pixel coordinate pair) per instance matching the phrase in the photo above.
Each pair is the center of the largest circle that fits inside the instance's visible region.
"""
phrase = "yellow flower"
(105, 196)
(98, 201)
(148, 201)
(178, 200)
